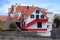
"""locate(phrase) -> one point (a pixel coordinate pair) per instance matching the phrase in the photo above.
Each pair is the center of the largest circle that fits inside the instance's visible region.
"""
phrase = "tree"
(12, 26)
(57, 22)
(1, 24)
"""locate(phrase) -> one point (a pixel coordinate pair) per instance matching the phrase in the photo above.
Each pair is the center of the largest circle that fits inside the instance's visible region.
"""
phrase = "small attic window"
(27, 7)
(37, 11)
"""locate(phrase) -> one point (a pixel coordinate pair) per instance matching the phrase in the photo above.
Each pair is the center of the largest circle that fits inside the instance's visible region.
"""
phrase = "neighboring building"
(32, 19)
(2, 21)
(3, 18)
(7, 21)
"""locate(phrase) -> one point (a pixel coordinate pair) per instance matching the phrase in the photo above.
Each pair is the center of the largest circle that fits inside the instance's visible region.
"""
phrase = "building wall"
(28, 20)
(44, 25)
(50, 26)
(17, 14)
(33, 26)
(50, 17)
(50, 21)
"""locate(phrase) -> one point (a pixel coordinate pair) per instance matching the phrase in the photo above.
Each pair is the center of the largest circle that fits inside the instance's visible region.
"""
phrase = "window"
(42, 16)
(18, 24)
(37, 16)
(39, 24)
(16, 15)
(37, 11)
(32, 16)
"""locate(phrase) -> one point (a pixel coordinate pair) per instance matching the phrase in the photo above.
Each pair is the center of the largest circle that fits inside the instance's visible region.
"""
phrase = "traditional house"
(32, 19)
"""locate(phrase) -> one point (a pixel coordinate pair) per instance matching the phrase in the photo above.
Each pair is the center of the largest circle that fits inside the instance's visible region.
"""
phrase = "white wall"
(50, 20)
(50, 25)
(33, 26)
(18, 14)
(50, 16)
(44, 24)
(12, 15)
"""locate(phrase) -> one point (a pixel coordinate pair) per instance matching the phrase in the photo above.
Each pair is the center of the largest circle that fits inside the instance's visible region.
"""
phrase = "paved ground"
(56, 33)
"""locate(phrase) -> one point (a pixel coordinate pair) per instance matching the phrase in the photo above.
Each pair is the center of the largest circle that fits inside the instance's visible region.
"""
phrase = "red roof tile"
(3, 18)
(25, 11)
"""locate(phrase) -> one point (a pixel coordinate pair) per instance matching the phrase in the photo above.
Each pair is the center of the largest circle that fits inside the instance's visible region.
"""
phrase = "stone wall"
(16, 35)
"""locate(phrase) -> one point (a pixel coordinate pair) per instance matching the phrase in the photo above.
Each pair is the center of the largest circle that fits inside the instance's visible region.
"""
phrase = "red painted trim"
(29, 24)
(34, 21)
(42, 20)
(35, 30)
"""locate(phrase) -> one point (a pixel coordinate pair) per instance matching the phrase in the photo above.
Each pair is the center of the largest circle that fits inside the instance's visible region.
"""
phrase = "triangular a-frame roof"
(27, 12)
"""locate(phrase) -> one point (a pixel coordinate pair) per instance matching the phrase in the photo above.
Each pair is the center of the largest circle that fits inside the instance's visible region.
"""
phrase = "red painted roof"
(27, 12)
(3, 18)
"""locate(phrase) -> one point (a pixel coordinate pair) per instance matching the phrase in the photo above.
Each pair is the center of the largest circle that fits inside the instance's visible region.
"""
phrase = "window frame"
(37, 16)
(37, 11)
(39, 24)
(31, 16)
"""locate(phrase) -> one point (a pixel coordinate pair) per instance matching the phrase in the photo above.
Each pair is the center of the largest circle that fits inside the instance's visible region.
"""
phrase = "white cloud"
(55, 8)
(51, 7)
(4, 9)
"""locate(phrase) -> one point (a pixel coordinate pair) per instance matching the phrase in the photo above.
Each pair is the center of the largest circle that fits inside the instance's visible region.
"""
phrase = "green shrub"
(12, 26)
(1, 24)
(57, 21)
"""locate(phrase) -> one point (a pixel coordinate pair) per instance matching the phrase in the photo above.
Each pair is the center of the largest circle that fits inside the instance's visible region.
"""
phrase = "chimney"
(27, 7)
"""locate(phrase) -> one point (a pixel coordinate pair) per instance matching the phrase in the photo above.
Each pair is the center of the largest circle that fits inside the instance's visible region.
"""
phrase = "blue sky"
(51, 5)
